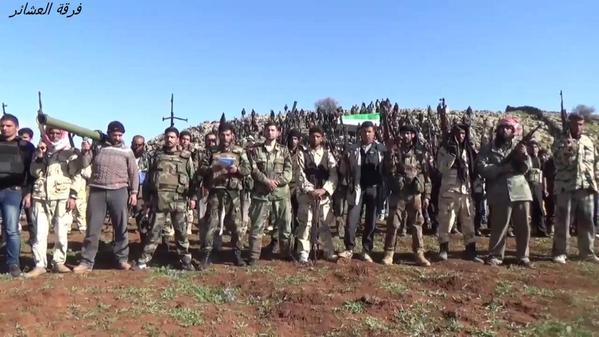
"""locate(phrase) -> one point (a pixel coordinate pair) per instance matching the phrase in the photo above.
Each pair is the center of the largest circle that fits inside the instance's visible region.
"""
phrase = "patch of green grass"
(375, 325)
(187, 316)
(415, 320)
(535, 291)
(559, 329)
(168, 294)
(297, 279)
(395, 288)
(503, 288)
(354, 307)
(204, 294)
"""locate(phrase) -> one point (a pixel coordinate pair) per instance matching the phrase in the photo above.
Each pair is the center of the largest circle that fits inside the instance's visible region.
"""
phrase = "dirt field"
(275, 298)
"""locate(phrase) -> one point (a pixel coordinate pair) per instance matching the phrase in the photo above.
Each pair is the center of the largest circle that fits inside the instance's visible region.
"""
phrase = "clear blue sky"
(122, 59)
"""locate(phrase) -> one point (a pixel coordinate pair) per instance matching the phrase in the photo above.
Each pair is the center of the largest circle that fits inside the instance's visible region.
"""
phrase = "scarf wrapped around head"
(62, 144)
(512, 121)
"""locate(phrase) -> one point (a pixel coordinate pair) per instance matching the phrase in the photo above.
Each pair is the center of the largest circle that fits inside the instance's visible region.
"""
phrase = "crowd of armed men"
(304, 186)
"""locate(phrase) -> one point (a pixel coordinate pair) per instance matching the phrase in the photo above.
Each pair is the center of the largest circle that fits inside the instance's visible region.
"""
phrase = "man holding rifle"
(577, 173)
(317, 179)
(503, 163)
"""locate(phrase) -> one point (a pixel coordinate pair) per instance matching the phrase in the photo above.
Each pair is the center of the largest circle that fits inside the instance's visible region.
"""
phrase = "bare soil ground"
(276, 298)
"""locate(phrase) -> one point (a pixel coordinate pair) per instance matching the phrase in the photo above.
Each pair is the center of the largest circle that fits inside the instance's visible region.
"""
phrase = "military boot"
(421, 260)
(186, 263)
(255, 249)
(285, 252)
(470, 253)
(273, 247)
(204, 261)
(388, 258)
(443, 250)
(237, 259)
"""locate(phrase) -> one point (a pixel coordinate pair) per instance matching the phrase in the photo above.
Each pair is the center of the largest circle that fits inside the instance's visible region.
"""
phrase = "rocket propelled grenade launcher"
(48, 121)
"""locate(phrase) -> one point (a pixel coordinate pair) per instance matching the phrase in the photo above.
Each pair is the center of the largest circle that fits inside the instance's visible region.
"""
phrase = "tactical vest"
(170, 172)
(12, 166)
(316, 173)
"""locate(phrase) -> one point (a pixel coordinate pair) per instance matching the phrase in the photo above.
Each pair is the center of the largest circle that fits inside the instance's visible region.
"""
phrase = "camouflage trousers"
(153, 235)
(224, 210)
(406, 210)
(501, 216)
(79, 214)
(280, 213)
(578, 208)
(456, 206)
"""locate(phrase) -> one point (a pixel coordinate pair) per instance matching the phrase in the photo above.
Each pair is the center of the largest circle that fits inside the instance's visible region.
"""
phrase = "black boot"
(470, 253)
(237, 259)
(285, 253)
(443, 251)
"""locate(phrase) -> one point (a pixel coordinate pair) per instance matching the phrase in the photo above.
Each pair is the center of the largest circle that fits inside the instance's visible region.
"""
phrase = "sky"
(121, 60)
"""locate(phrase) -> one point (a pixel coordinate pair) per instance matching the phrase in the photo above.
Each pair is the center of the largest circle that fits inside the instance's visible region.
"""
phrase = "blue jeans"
(10, 207)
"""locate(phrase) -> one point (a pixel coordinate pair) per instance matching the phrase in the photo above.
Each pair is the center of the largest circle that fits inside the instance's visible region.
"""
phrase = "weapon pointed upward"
(39, 97)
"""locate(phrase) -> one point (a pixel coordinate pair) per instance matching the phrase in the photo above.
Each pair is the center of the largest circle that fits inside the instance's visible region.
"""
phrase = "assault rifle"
(564, 116)
(524, 141)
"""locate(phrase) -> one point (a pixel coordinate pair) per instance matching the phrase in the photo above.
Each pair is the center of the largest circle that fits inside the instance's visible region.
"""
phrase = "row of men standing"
(171, 189)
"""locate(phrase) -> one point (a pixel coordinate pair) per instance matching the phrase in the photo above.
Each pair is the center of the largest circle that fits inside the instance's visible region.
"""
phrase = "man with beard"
(294, 145)
(168, 191)
(138, 146)
(26, 135)
(508, 193)
(455, 162)
(113, 186)
(365, 172)
(223, 170)
(536, 181)
(54, 193)
(577, 173)
(317, 178)
(186, 145)
(405, 168)
(271, 171)
(15, 187)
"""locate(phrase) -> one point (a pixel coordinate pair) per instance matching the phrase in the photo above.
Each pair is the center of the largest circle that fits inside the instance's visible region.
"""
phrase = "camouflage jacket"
(405, 170)
(54, 175)
(274, 165)
(168, 184)
(234, 155)
(503, 183)
(577, 165)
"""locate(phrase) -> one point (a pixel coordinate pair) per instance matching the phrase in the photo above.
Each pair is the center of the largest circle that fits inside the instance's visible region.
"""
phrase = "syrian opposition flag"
(355, 120)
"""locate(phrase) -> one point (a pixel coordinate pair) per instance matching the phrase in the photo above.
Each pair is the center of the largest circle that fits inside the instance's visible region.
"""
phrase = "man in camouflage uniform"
(167, 192)
(317, 178)
(54, 194)
(410, 186)
(138, 146)
(577, 163)
(186, 144)
(536, 181)
(272, 172)
(455, 162)
(223, 172)
(508, 193)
